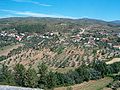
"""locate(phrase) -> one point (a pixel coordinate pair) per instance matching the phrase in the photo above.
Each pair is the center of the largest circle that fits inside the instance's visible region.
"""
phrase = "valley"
(81, 53)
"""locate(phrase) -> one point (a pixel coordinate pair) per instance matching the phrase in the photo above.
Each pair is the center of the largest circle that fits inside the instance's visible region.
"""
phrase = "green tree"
(115, 67)
(31, 78)
(94, 75)
(101, 67)
(60, 79)
(6, 76)
(67, 80)
(42, 71)
(51, 80)
(74, 75)
(19, 74)
(83, 72)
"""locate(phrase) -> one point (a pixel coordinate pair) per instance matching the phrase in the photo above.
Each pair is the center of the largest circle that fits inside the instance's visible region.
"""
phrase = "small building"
(19, 38)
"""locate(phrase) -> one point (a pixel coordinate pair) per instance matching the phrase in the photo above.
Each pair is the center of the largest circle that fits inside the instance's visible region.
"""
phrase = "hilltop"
(116, 22)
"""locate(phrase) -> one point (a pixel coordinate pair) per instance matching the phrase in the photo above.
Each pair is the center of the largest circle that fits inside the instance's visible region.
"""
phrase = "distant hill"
(116, 22)
(41, 25)
(72, 49)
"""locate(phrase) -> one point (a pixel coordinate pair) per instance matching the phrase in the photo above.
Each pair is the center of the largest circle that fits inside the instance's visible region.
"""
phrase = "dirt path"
(113, 61)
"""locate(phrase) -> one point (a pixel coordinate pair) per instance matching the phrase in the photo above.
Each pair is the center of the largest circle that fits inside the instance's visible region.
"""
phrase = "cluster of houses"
(20, 36)
(88, 40)
(49, 34)
(15, 35)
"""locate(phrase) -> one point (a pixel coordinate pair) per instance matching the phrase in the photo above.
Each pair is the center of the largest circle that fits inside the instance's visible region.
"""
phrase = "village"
(78, 36)
(59, 45)
(74, 46)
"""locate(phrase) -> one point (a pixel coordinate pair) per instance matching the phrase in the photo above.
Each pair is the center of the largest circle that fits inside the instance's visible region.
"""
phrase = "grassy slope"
(91, 85)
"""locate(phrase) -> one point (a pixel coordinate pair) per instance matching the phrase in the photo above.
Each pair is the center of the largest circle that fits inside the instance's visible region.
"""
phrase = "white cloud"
(33, 2)
(6, 16)
(33, 14)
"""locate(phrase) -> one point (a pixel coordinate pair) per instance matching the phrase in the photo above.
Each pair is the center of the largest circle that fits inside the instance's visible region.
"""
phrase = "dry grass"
(62, 70)
(113, 61)
(107, 89)
(91, 85)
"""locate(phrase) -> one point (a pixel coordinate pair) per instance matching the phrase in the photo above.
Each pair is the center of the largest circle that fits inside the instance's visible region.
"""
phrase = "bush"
(2, 58)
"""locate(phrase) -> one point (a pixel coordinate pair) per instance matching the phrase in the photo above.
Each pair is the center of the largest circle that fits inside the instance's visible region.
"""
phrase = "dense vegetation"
(2, 58)
(116, 82)
(43, 78)
(38, 28)
(36, 24)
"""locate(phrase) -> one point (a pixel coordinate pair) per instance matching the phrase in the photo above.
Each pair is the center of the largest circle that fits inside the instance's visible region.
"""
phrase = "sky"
(107, 10)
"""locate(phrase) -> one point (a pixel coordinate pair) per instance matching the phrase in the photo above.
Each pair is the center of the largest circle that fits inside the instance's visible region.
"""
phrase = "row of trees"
(43, 78)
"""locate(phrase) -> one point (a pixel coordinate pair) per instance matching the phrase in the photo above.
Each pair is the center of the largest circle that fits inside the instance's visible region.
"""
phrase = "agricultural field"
(59, 43)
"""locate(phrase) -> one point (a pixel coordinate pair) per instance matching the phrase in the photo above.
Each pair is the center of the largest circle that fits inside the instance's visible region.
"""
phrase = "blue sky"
(96, 9)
